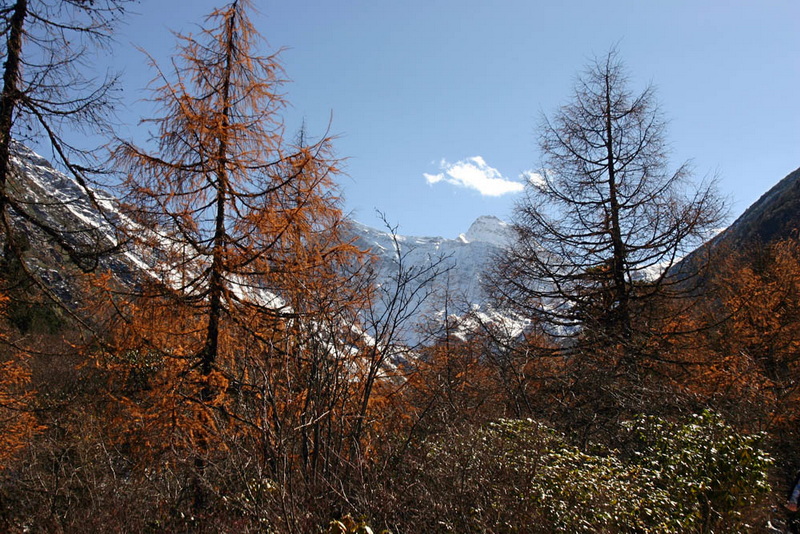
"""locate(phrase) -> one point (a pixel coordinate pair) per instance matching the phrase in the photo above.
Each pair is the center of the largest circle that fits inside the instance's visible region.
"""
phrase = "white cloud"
(433, 178)
(534, 178)
(474, 173)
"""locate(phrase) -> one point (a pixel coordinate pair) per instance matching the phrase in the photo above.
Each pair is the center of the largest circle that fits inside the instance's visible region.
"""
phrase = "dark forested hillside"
(774, 217)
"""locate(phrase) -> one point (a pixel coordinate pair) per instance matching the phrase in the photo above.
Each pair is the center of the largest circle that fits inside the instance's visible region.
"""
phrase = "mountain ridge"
(59, 201)
(774, 216)
(57, 197)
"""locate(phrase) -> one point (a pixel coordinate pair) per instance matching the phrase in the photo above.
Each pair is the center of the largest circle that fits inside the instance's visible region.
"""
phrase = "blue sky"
(435, 103)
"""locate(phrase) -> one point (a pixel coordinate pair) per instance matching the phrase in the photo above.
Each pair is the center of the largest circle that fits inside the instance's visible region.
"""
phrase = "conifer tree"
(46, 96)
(599, 230)
(249, 311)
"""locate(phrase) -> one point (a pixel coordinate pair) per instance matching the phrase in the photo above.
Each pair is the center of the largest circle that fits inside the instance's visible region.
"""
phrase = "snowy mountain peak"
(60, 202)
(462, 262)
(489, 229)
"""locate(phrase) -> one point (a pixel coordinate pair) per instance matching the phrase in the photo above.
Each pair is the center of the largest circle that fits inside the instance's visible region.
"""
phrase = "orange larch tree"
(761, 299)
(245, 323)
(17, 422)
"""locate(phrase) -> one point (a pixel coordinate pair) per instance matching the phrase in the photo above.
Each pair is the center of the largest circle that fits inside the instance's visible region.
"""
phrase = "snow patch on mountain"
(459, 288)
(489, 229)
(60, 202)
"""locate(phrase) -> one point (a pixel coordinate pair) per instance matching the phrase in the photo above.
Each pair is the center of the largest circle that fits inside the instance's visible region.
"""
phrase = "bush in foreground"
(514, 476)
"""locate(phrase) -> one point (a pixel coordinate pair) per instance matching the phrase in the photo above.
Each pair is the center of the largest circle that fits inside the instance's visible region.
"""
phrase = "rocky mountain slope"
(60, 202)
(773, 217)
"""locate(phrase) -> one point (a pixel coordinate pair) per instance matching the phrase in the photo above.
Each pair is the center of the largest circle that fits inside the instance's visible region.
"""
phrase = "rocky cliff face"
(773, 217)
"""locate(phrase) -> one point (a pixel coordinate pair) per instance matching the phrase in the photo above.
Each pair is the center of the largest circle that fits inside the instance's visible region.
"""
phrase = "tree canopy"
(602, 224)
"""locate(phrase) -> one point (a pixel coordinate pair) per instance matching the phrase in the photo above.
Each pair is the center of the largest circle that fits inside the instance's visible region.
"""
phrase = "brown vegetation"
(253, 379)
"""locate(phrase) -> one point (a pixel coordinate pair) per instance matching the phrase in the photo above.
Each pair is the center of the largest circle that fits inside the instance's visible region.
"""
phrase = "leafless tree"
(604, 221)
(46, 95)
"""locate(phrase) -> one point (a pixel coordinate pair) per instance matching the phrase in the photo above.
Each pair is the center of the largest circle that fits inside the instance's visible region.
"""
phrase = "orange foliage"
(246, 327)
(740, 352)
(762, 298)
(17, 422)
(453, 383)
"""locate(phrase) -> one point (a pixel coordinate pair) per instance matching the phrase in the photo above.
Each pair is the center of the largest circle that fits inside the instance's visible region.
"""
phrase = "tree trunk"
(8, 102)
(621, 316)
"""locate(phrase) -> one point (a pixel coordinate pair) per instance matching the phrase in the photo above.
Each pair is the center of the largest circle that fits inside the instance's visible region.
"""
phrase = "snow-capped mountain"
(444, 275)
(462, 260)
(58, 201)
(51, 205)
